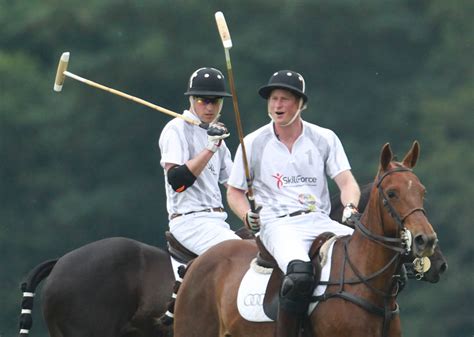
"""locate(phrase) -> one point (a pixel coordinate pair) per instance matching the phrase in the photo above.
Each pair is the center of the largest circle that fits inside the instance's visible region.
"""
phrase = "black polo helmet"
(207, 82)
(285, 79)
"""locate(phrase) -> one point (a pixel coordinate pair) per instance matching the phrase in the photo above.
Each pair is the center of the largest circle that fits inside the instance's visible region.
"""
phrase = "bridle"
(400, 220)
(401, 245)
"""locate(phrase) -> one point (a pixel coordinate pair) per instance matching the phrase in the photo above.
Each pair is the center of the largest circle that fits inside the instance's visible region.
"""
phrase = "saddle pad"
(251, 294)
(252, 291)
(325, 274)
(325, 249)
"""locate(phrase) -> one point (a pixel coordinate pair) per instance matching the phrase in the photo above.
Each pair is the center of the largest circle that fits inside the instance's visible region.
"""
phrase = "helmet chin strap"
(221, 103)
(301, 107)
(191, 105)
(191, 109)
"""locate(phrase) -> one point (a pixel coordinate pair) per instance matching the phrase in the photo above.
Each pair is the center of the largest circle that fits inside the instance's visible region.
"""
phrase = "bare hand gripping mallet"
(62, 73)
(227, 43)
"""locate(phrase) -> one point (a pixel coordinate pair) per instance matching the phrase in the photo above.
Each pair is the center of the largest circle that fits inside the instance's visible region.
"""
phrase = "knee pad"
(297, 286)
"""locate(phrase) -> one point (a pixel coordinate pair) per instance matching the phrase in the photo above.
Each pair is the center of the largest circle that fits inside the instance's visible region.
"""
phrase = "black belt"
(214, 209)
(306, 211)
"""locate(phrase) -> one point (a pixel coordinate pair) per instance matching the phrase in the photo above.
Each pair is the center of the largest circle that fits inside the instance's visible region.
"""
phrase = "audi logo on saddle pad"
(298, 180)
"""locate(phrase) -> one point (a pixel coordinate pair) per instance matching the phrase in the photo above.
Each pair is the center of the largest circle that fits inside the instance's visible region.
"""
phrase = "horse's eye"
(391, 194)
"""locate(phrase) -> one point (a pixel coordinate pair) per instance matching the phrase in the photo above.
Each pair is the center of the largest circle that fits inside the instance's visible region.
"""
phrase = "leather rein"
(400, 245)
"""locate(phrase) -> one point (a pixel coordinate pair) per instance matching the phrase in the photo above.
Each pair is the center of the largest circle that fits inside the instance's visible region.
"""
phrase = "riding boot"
(168, 317)
(166, 320)
(295, 296)
(288, 323)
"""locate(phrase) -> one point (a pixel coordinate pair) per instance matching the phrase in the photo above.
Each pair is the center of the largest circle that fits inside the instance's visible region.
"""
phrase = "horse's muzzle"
(424, 244)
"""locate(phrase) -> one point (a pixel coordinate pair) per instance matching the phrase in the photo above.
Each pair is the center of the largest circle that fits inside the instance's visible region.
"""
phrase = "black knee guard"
(297, 286)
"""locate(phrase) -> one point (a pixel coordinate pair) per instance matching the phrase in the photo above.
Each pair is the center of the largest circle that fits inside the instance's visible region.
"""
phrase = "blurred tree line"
(83, 164)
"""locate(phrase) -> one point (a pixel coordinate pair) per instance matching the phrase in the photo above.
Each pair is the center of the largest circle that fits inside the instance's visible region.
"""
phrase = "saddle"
(266, 260)
(177, 250)
(184, 255)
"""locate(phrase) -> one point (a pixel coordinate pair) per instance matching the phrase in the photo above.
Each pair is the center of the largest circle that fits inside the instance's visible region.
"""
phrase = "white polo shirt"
(286, 182)
(180, 141)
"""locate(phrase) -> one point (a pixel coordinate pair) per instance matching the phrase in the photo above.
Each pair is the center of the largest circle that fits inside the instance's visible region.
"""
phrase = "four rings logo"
(252, 300)
(298, 180)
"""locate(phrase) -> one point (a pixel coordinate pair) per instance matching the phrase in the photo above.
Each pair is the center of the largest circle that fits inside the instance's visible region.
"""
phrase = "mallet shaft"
(130, 97)
(227, 43)
(62, 72)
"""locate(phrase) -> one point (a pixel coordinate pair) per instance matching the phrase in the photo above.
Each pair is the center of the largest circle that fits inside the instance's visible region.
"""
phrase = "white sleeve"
(237, 176)
(173, 147)
(337, 160)
(226, 164)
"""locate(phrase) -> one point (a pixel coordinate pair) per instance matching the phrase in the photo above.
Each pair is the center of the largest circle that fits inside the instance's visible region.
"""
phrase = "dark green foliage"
(83, 164)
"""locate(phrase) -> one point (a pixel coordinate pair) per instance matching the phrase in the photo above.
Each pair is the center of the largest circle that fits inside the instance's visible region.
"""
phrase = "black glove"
(215, 134)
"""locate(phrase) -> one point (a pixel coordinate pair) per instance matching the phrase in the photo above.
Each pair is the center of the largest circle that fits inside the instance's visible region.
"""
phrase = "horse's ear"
(386, 156)
(412, 156)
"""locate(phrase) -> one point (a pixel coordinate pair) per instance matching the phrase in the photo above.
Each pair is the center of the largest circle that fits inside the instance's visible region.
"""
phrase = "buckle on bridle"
(405, 236)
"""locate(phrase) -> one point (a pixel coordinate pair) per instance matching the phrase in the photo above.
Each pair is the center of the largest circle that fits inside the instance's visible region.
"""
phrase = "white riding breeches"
(201, 230)
(290, 238)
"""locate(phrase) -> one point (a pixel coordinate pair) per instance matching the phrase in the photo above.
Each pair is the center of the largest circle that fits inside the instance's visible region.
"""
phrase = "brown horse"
(81, 286)
(360, 299)
(438, 263)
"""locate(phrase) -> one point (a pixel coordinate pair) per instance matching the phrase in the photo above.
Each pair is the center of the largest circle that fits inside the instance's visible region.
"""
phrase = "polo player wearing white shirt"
(195, 162)
(289, 161)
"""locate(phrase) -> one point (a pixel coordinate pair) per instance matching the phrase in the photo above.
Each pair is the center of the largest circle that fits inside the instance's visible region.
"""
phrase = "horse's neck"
(368, 256)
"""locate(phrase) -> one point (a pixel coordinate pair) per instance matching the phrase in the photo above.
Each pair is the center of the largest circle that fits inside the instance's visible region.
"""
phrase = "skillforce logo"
(298, 180)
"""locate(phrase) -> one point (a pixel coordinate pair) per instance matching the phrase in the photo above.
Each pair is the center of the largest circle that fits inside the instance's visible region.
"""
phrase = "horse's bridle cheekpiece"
(405, 235)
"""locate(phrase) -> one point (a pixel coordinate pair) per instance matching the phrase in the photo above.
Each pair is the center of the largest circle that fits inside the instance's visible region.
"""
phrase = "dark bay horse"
(108, 288)
(360, 299)
(115, 287)
(119, 287)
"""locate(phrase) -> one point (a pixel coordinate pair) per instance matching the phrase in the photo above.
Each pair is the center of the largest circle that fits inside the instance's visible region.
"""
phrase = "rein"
(400, 245)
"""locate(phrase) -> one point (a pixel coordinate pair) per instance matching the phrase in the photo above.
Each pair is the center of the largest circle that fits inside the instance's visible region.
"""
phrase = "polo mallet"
(227, 43)
(62, 72)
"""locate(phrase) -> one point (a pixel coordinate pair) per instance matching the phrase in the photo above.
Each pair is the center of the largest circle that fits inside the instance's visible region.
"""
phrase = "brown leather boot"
(288, 323)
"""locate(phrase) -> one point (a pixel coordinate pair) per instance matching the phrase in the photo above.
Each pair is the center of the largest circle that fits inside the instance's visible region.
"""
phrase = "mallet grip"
(251, 197)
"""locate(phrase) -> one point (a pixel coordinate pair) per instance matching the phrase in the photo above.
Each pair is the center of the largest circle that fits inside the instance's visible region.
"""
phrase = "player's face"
(207, 108)
(282, 106)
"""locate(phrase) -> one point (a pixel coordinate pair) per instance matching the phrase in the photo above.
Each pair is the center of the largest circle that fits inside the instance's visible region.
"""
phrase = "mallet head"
(223, 30)
(60, 76)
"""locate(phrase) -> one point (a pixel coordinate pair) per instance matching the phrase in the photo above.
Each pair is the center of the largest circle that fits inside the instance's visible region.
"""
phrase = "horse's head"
(401, 197)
